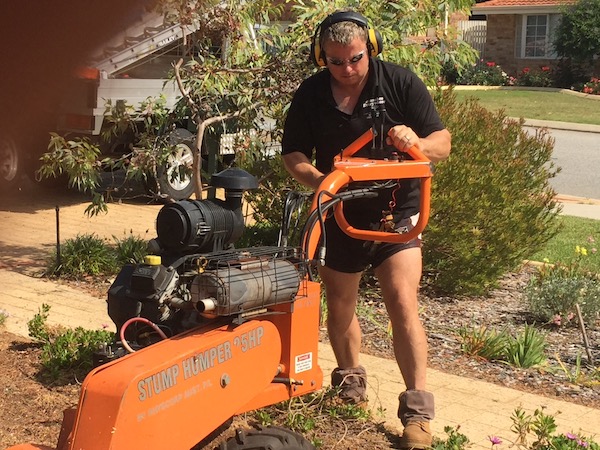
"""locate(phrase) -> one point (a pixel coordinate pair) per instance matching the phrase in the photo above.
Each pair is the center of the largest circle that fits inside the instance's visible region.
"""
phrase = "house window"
(535, 44)
(534, 36)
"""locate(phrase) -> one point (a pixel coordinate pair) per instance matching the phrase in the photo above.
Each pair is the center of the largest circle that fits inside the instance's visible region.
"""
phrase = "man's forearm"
(298, 165)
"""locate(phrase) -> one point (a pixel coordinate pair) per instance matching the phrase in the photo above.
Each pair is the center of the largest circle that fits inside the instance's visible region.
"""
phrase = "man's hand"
(403, 138)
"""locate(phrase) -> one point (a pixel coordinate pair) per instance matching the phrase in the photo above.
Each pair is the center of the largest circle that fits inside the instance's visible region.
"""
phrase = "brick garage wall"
(500, 41)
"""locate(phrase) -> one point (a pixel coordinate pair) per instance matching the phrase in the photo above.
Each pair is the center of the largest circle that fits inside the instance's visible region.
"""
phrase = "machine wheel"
(267, 438)
(177, 188)
(11, 164)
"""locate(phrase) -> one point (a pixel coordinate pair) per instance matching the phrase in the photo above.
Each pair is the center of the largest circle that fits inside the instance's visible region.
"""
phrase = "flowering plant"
(484, 74)
(539, 77)
(555, 290)
(592, 86)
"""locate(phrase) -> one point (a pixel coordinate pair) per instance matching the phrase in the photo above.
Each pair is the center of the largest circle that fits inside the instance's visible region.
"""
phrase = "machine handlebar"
(349, 168)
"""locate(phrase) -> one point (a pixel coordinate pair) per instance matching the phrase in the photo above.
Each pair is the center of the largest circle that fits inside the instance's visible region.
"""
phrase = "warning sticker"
(304, 362)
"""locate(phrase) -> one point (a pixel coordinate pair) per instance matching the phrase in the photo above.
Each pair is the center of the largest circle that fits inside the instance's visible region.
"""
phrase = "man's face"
(348, 64)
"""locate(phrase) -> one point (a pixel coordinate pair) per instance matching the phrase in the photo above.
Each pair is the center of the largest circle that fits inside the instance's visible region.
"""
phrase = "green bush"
(130, 250)
(535, 77)
(90, 255)
(592, 86)
(66, 353)
(492, 203)
(484, 74)
(555, 290)
(527, 349)
(3, 316)
(86, 254)
(259, 234)
(480, 341)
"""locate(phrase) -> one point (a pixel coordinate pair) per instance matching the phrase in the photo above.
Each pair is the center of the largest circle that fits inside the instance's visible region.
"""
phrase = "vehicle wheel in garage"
(10, 162)
(170, 183)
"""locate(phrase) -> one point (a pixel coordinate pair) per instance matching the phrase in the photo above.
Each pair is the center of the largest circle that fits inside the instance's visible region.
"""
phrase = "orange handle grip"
(348, 169)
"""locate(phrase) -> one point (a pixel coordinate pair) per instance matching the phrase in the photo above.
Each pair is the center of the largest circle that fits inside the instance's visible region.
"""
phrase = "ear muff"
(374, 40)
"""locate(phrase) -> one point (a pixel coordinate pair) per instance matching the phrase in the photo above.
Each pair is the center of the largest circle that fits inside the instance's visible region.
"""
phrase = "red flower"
(490, 63)
(526, 70)
(545, 69)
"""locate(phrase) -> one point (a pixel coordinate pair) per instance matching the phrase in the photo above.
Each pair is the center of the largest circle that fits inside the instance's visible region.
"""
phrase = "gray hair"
(343, 33)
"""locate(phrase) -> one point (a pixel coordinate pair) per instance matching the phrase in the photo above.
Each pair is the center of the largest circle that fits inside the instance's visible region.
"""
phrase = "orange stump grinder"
(206, 331)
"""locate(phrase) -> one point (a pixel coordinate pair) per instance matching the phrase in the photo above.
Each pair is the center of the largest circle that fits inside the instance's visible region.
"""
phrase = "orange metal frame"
(348, 168)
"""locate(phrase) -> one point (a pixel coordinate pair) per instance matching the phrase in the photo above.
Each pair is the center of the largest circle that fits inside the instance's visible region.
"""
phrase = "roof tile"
(521, 3)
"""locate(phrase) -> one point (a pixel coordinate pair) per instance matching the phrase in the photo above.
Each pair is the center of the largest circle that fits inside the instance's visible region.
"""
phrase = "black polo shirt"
(315, 127)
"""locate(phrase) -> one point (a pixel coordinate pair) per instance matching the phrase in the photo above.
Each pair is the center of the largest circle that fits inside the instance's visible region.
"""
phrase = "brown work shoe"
(416, 435)
(352, 384)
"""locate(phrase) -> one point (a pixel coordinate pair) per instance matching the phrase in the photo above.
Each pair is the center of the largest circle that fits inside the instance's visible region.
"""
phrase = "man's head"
(343, 27)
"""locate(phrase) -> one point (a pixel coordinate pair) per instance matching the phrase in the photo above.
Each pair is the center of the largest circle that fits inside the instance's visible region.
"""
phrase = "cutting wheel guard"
(348, 168)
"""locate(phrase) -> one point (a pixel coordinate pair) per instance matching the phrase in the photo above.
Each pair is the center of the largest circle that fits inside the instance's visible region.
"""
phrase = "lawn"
(540, 105)
(578, 240)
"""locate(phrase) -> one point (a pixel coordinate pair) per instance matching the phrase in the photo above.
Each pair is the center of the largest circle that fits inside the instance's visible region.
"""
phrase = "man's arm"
(435, 146)
(300, 167)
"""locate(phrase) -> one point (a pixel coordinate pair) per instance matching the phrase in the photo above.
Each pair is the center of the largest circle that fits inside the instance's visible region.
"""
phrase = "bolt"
(225, 380)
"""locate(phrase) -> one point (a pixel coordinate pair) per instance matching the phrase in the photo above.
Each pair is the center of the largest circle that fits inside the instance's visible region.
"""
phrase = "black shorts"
(349, 255)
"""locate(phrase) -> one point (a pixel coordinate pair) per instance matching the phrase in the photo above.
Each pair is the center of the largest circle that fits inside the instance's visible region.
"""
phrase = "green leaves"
(578, 33)
(492, 203)
(527, 349)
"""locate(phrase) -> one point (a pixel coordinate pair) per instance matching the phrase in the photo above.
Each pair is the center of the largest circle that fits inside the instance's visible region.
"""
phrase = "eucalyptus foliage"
(239, 70)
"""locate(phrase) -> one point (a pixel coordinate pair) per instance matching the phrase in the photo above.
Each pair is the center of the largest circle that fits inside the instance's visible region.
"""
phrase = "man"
(329, 111)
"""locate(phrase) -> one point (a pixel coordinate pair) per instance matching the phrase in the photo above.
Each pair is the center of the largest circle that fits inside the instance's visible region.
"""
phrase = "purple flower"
(571, 436)
(582, 443)
(495, 440)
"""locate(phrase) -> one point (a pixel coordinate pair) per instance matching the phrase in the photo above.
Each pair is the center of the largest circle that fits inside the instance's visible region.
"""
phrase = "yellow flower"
(584, 251)
(577, 249)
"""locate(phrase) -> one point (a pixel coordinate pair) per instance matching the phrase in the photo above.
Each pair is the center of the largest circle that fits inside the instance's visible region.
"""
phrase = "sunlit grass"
(540, 105)
(576, 233)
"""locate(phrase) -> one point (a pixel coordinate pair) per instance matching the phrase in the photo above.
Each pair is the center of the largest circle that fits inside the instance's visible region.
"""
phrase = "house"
(520, 32)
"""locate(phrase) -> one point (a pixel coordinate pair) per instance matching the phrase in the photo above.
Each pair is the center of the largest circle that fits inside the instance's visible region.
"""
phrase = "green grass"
(540, 105)
(575, 232)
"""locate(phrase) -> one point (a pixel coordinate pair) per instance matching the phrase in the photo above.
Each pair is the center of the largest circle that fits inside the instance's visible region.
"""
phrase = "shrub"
(484, 74)
(89, 255)
(492, 203)
(555, 290)
(535, 77)
(130, 250)
(592, 86)
(488, 344)
(66, 353)
(82, 256)
(527, 349)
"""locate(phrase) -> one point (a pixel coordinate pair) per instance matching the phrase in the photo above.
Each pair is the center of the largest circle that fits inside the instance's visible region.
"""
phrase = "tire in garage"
(267, 438)
(11, 163)
(174, 187)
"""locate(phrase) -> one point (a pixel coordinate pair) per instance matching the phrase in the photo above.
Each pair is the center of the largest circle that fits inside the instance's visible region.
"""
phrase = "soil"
(32, 409)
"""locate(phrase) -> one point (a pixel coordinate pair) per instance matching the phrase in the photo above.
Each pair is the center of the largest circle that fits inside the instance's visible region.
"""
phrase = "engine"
(195, 274)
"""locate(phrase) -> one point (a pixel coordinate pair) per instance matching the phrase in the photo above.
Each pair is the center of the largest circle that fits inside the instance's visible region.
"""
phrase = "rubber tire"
(267, 438)
(11, 163)
(184, 154)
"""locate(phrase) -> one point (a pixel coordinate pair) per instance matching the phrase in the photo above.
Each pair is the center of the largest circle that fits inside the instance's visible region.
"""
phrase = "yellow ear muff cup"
(375, 41)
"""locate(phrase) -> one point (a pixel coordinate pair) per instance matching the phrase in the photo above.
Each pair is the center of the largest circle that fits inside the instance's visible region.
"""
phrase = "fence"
(474, 33)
